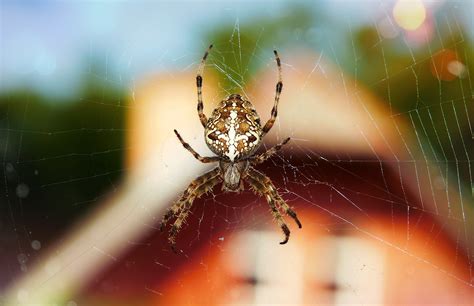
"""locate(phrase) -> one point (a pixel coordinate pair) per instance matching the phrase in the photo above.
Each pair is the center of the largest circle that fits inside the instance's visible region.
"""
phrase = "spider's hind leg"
(288, 210)
(181, 208)
(172, 211)
(278, 217)
(263, 185)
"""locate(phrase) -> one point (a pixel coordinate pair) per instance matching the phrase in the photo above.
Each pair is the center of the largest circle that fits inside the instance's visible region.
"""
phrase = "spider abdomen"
(234, 129)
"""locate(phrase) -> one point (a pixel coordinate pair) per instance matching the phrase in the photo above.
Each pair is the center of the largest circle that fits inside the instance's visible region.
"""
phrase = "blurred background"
(74, 82)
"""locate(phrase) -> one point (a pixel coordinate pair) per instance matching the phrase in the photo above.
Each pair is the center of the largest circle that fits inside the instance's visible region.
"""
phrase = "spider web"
(424, 182)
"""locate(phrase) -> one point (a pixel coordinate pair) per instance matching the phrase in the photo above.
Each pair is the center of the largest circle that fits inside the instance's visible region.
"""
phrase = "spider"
(234, 134)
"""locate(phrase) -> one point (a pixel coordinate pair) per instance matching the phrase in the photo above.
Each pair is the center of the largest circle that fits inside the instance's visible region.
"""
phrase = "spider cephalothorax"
(234, 134)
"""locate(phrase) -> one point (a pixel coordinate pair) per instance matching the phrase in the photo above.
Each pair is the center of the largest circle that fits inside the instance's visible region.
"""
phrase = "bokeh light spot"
(457, 68)
(22, 190)
(35, 245)
(440, 65)
(22, 258)
(409, 14)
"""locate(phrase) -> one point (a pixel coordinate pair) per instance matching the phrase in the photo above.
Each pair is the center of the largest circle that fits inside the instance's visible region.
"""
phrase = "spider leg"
(279, 200)
(181, 208)
(279, 86)
(178, 205)
(194, 153)
(266, 181)
(262, 190)
(200, 106)
(289, 211)
(258, 159)
(264, 186)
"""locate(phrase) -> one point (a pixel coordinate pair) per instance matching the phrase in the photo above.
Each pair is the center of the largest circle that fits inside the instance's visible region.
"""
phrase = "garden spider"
(233, 133)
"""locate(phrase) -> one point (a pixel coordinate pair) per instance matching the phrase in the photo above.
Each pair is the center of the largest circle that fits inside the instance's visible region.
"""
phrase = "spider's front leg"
(278, 89)
(200, 105)
(264, 186)
(181, 208)
(210, 159)
(258, 159)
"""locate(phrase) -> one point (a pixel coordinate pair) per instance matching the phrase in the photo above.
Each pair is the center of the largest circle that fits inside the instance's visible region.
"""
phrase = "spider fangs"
(234, 134)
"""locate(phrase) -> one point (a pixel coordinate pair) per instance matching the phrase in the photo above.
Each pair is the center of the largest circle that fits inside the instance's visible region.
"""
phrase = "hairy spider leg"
(258, 159)
(266, 128)
(263, 178)
(263, 185)
(262, 190)
(200, 105)
(178, 205)
(196, 155)
(202, 189)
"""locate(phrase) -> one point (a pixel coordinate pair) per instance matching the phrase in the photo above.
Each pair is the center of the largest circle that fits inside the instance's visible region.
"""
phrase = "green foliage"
(68, 152)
